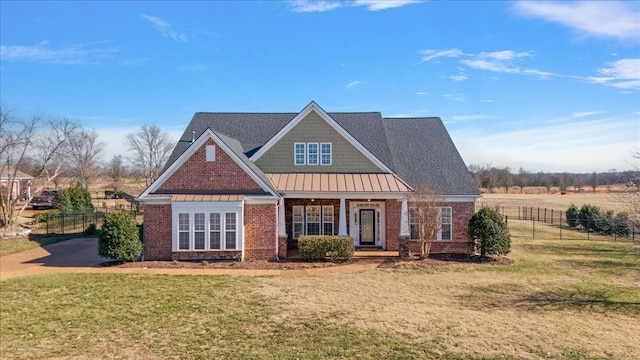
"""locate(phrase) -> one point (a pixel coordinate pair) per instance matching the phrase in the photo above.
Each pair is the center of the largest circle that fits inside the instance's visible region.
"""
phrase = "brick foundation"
(157, 232)
(260, 231)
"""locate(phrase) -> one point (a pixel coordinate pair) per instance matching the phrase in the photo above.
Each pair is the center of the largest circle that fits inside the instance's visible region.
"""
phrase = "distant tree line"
(491, 178)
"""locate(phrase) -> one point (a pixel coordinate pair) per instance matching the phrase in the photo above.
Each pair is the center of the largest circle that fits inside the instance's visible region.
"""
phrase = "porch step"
(368, 248)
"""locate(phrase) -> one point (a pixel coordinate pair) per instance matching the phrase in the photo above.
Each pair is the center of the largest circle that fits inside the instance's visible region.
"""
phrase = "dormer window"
(312, 154)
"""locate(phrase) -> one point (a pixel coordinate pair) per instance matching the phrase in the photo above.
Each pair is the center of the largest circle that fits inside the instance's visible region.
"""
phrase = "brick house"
(247, 185)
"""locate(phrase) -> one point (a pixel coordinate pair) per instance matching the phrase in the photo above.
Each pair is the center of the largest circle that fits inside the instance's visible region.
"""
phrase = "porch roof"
(196, 197)
(325, 182)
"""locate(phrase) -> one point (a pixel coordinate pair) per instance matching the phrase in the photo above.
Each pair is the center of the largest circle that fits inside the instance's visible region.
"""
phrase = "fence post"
(533, 222)
(62, 228)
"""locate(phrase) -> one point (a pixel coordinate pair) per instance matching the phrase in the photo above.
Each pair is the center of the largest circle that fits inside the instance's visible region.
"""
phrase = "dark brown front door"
(367, 227)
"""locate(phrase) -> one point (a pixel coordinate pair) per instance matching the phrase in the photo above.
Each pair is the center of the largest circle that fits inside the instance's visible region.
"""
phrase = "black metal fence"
(543, 223)
(77, 222)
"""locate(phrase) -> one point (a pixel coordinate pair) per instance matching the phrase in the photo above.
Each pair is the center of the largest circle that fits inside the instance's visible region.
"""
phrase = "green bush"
(318, 247)
(572, 216)
(488, 233)
(119, 238)
(74, 198)
(621, 224)
(43, 217)
(91, 229)
(588, 216)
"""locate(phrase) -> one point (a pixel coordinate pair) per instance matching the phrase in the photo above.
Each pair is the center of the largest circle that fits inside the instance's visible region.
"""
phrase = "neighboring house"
(21, 188)
(248, 185)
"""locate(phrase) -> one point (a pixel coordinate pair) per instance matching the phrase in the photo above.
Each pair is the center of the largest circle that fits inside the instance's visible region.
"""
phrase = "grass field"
(560, 300)
(609, 201)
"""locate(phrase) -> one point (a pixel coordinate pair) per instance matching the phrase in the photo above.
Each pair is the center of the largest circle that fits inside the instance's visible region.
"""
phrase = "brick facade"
(200, 175)
(461, 214)
(260, 231)
(157, 232)
(393, 211)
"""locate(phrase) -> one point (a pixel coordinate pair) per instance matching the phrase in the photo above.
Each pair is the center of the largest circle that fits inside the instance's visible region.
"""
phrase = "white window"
(312, 154)
(298, 221)
(325, 153)
(210, 153)
(183, 231)
(299, 153)
(312, 220)
(445, 224)
(207, 226)
(198, 231)
(327, 220)
(230, 234)
(444, 218)
(215, 234)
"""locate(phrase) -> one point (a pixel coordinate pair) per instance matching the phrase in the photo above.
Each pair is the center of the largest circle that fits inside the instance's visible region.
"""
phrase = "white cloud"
(328, 5)
(422, 93)
(430, 54)
(594, 18)
(375, 5)
(353, 84)
(73, 54)
(165, 28)
(314, 6)
(623, 74)
(468, 117)
(460, 77)
(454, 97)
(573, 146)
(585, 113)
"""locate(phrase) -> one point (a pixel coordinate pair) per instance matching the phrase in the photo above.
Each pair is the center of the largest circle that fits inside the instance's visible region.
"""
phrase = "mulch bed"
(434, 260)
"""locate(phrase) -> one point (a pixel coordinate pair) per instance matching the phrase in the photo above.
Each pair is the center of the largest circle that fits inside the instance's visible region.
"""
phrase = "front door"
(367, 227)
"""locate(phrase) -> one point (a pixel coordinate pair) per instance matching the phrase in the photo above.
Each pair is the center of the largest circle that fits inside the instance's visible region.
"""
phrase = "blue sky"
(549, 86)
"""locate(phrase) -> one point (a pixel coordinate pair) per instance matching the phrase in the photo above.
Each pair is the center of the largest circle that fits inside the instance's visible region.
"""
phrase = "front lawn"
(559, 300)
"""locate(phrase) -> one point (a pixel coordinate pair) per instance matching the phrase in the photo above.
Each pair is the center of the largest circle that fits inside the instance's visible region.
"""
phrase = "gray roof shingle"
(418, 150)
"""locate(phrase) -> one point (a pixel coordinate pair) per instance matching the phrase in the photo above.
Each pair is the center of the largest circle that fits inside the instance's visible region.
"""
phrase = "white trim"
(323, 114)
(182, 159)
(379, 218)
(342, 218)
(207, 208)
(304, 153)
(210, 153)
(317, 145)
(330, 153)
(155, 200)
(348, 195)
(450, 198)
(261, 199)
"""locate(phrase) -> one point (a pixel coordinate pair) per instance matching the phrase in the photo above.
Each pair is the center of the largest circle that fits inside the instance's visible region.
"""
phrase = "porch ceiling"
(322, 182)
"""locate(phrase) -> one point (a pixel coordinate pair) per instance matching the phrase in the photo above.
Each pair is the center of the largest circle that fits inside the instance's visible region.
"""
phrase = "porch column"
(282, 228)
(404, 219)
(342, 220)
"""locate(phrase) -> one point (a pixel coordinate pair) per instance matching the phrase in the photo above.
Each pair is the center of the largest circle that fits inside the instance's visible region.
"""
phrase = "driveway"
(81, 256)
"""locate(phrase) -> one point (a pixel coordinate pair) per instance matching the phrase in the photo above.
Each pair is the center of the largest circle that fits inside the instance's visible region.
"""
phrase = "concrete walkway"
(81, 256)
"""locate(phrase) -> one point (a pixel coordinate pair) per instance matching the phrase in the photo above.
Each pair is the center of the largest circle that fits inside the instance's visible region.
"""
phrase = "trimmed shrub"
(588, 216)
(319, 247)
(621, 224)
(119, 238)
(43, 217)
(91, 229)
(572, 216)
(488, 233)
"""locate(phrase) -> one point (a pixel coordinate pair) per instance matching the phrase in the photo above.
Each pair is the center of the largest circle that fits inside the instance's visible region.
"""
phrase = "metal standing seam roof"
(196, 198)
(320, 182)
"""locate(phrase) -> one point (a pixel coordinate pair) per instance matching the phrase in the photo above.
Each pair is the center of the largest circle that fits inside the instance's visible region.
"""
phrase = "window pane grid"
(312, 154)
(214, 231)
(299, 153)
(325, 153)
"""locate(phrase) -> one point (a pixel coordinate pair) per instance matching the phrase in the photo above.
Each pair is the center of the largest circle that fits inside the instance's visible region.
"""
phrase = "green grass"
(22, 243)
(560, 300)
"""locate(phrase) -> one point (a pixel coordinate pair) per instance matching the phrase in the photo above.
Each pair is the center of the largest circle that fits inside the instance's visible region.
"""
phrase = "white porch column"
(404, 219)
(342, 220)
(282, 227)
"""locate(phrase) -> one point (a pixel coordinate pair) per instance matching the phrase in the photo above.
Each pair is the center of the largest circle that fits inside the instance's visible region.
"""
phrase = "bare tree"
(506, 178)
(116, 172)
(151, 148)
(594, 181)
(20, 139)
(548, 183)
(522, 179)
(563, 182)
(83, 153)
(426, 215)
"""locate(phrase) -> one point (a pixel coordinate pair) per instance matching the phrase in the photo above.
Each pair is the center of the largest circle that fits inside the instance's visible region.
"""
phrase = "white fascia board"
(450, 198)
(261, 200)
(323, 114)
(154, 200)
(182, 159)
(346, 195)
